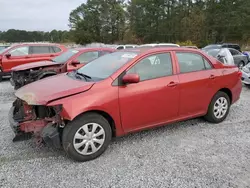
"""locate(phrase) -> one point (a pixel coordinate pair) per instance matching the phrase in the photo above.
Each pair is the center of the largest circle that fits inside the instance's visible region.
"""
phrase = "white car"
(246, 75)
(126, 46)
(160, 45)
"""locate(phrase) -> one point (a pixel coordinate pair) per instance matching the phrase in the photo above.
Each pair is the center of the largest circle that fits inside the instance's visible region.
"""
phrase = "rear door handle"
(172, 84)
(212, 76)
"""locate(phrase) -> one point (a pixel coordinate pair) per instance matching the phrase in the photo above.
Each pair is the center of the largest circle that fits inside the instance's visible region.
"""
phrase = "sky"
(36, 15)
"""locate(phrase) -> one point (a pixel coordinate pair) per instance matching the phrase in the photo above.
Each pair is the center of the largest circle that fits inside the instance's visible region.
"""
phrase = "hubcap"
(89, 138)
(220, 107)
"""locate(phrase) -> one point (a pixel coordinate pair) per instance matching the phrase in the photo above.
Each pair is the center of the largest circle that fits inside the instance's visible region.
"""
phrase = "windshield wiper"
(83, 75)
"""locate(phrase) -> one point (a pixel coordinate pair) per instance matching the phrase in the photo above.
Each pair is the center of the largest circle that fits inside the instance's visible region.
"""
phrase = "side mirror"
(131, 78)
(7, 55)
(75, 62)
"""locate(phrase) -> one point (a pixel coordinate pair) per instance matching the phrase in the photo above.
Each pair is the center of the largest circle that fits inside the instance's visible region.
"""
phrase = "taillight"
(239, 74)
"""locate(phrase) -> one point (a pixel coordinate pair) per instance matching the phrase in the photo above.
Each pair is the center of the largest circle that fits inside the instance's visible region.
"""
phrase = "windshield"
(3, 49)
(106, 65)
(64, 57)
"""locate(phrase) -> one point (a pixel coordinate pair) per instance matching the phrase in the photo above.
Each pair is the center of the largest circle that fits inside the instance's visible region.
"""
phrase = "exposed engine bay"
(43, 122)
(24, 77)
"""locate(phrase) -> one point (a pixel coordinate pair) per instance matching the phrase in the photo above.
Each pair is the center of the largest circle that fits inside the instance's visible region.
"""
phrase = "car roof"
(93, 48)
(36, 44)
(159, 49)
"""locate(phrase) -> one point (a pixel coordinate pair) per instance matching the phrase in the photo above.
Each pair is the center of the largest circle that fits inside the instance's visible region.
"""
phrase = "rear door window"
(40, 49)
(191, 62)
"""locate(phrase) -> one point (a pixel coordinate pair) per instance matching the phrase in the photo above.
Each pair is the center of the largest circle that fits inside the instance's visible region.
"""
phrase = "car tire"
(241, 65)
(1, 78)
(218, 108)
(78, 139)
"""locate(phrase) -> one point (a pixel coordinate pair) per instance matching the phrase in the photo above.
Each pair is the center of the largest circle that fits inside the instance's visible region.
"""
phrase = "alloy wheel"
(220, 107)
(89, 138)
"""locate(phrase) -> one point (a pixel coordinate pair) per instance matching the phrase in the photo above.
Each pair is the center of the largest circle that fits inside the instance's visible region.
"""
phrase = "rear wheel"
(1, 78)
(218, 108)
(86, 137)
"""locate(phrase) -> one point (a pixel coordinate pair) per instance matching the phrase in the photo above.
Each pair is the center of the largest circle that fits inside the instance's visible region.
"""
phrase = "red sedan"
(123, 92)
(68, 61)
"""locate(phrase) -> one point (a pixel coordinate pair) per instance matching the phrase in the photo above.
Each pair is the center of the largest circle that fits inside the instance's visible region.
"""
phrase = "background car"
(2, 47)
(239, 59)
(222, 54)
(123, 92)
(126, 46)
(159, 45)
(224, 45)
(66, 62)
(246, 75)
(20, 54)
(193, 47)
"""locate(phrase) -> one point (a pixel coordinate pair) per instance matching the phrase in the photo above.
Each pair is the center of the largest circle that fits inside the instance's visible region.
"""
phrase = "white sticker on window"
(129, 55)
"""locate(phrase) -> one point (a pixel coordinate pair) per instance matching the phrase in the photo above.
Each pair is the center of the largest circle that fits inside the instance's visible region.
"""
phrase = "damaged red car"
(123, 92)
(68, 61)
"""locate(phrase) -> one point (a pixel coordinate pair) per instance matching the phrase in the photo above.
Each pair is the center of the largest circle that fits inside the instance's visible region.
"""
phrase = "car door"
(155, 99)
(16, 56)
(83, 58)
(197, 83)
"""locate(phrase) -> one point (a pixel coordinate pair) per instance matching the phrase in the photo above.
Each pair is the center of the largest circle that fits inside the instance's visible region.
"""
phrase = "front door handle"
(172, 84)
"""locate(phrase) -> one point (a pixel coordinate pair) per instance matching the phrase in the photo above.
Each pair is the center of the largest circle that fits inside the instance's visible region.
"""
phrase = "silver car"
(246, 75)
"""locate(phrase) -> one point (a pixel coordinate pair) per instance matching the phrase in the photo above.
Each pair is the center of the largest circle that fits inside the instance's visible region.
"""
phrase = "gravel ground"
(187, 154)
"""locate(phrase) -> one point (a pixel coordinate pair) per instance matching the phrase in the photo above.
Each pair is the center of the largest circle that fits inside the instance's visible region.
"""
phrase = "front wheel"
(86, 137)
(218, 108)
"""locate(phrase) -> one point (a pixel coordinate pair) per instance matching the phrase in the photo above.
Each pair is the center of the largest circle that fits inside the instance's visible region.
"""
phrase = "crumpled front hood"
(34, 65)
(43, 91)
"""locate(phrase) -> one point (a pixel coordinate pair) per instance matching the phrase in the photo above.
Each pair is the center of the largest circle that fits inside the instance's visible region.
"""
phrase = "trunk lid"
(43, 91)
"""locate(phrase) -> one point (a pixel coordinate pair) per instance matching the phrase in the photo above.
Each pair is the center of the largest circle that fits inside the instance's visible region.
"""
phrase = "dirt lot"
(188, 154)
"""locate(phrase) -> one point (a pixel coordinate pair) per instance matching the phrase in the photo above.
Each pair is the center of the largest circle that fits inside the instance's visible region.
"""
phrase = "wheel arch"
(228, 92)
(104, 114)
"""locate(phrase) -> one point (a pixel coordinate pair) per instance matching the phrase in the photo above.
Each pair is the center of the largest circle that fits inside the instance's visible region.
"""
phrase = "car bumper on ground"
(245, 78)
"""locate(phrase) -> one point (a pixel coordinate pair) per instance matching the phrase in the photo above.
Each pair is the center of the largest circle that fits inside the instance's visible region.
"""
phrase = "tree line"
(13, 35)
(146, 21)
(198, 22)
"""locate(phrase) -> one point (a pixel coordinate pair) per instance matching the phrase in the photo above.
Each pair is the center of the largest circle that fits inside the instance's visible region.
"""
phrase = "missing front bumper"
(19, 135)
(25, 123)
